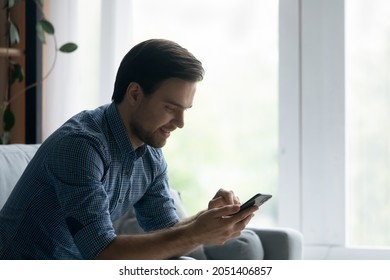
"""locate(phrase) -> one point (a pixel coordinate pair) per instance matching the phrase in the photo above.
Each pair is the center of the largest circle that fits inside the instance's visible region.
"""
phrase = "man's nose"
(179, 119)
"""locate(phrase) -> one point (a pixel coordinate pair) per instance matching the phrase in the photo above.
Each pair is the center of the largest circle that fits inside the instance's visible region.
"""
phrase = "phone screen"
(257, 199)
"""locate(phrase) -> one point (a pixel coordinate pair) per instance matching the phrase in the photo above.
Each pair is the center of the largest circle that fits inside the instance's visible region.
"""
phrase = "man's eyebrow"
(177, 104)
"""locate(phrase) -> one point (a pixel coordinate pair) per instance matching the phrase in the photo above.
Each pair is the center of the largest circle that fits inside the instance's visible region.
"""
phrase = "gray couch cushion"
(13, 161)
(247, 246)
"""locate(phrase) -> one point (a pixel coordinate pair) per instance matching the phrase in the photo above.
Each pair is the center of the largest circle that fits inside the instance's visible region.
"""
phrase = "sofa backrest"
(13, 160)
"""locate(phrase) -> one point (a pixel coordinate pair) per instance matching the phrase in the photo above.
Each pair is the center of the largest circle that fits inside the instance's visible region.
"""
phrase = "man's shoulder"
(88, 126)
(76, 145)
(89, 120)
(80, 135)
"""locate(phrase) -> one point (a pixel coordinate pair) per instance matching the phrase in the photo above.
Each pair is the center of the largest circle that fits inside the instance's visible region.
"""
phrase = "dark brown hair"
(151, 62)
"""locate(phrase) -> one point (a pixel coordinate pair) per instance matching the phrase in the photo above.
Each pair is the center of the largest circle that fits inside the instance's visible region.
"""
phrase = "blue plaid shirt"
(83, 177)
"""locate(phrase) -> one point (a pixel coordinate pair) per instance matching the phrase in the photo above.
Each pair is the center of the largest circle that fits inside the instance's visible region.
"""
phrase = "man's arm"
(211, 227)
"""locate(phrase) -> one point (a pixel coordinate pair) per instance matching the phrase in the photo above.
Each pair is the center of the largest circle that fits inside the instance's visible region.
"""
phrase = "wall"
(18, 106)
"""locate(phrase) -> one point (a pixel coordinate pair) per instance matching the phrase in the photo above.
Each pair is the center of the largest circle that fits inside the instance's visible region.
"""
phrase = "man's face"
(162, 112)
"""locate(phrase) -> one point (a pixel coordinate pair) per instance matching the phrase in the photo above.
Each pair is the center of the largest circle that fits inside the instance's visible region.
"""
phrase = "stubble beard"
(147, 137)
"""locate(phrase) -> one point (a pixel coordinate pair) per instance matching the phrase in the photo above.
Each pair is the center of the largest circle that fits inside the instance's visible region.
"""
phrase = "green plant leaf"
(47, 26)
(40, 33)
(68, 48)
(11, 3)
(13, 33)
(8, 119)
(17, 73)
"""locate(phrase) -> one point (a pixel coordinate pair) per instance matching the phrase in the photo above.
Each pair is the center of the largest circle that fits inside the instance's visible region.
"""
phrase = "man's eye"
(170, 108)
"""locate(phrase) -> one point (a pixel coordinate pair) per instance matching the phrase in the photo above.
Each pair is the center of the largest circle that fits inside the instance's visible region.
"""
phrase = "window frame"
(312, 190)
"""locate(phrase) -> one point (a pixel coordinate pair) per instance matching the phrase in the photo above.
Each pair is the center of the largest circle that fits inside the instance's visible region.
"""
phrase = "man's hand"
(223, 198)
(216, 226)
(221, 221)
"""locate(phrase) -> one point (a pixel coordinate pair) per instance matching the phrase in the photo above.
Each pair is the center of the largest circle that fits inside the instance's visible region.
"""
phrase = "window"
(230, 136)
(322, 116)
(368, 127)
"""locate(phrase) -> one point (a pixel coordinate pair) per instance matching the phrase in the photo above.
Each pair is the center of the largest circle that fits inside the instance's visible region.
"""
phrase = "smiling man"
(102, 162)
(150, 118)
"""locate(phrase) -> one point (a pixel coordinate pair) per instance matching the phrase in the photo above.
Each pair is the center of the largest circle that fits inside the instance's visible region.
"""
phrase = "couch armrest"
(280, 243)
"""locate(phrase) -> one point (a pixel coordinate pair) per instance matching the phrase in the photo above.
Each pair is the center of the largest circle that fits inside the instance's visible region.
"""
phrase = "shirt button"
(127, 172)
(120, 200)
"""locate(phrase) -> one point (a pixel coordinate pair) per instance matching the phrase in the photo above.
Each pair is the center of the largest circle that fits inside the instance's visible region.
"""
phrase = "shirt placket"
(122, 188)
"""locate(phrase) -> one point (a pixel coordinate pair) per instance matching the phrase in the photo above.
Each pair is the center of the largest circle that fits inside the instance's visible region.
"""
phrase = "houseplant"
(15, 71)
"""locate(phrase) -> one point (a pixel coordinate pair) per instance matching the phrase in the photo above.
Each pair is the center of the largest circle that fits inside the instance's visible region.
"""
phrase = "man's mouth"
(166, 132)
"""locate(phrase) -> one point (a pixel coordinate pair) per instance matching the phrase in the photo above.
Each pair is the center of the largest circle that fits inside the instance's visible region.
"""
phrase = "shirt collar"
(119, 133)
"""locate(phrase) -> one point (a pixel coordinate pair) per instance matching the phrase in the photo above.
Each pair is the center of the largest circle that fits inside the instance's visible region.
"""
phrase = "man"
(100, 163)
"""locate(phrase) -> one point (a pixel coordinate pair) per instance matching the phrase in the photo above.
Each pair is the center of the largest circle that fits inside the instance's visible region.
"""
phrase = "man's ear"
(134, 93)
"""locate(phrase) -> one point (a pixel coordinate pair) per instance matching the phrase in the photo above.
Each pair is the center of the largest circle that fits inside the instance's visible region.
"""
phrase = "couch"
(277, 243)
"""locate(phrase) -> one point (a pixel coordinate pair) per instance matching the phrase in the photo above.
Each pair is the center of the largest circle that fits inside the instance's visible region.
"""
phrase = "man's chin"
(157, 144)
(155, 140)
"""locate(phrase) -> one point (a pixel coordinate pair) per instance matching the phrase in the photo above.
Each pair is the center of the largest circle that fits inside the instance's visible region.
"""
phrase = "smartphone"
(257, 199)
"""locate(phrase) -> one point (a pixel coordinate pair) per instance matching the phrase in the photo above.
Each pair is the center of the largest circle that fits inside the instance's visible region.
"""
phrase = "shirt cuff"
(92, 239)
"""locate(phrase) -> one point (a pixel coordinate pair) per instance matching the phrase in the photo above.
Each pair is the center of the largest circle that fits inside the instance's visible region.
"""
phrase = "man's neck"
(125, 116)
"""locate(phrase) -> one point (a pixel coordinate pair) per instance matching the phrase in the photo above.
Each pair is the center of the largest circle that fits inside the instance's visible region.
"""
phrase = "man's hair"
(151, 62)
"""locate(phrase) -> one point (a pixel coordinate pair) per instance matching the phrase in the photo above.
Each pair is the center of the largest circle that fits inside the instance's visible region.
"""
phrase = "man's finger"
(226, 210)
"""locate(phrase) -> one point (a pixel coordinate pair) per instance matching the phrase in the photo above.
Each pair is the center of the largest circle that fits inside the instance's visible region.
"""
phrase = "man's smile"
(166, 132)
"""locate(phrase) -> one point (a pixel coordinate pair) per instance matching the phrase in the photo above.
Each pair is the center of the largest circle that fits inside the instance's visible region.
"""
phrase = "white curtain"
(84, 79)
